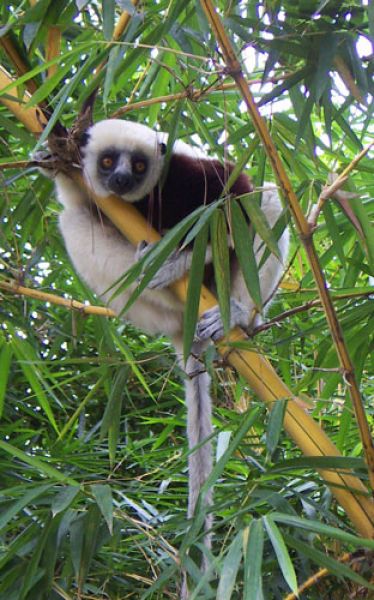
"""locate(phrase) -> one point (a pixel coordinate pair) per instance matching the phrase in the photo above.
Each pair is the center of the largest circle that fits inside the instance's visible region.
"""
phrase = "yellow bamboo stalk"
(87, 309)
(122, 22)
(256, 369)
(53, 47)
(119, 28)
(31, 119)
(17, 61)
(303, 227)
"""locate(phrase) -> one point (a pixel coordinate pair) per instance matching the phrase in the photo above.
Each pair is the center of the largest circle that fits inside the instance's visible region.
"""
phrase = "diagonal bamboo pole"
(349, 491)
(303, 227)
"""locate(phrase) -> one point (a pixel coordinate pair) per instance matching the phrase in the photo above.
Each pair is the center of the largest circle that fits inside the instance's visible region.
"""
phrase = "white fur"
(101, 255)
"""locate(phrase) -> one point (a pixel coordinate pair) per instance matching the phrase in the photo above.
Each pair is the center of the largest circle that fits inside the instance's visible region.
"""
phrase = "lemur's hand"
(175, 266)
(45, 156)
(210, 324)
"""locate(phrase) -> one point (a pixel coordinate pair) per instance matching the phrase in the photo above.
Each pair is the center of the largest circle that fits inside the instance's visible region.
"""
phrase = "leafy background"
(93, 450)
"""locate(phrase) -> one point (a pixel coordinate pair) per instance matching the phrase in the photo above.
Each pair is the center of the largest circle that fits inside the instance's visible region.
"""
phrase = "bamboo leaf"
(63, 499)
(230, 568)
(37, 463)
(27, 498)
(104, 499)
(253, 561)
(322, 529)
(327, 562)
(6, 354)
(221, 264)
(260, 223)
(281, 551)
(275, 425)
(243, 245)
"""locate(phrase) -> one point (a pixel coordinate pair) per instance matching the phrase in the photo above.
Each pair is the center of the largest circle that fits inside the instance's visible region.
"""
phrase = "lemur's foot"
(211, 325)
(173, 268)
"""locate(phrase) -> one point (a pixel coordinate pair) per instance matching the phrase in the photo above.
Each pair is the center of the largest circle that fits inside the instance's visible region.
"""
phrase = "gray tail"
(199, 428)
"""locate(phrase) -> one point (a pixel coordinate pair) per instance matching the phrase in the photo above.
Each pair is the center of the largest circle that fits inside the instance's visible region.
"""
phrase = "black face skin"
(121, 172)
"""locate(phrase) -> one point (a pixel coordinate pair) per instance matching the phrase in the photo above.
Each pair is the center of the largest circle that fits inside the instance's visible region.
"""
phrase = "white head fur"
(128, 139)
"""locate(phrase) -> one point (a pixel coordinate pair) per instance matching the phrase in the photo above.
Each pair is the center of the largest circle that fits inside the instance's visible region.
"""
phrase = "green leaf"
(253, 561)
(281, 551)
(112, 415)
(324, 560)
(37, 463)
(63, 499)
(28, 360)
(260, 223)
(320, 528)
(230, 568)
(221, 264)
(104, 499)
(91, 530)
(26, 499)
(108, 18)
(6, 354)
(275, 425)
(243, 244)
(31, 576)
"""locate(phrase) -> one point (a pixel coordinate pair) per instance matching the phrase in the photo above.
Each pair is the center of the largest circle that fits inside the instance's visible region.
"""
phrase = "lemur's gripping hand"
(211, 325)
(176, 265)
(45, 157)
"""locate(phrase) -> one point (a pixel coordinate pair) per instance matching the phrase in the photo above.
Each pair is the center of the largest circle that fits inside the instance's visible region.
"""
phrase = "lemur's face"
(123, 158)
(122, 172)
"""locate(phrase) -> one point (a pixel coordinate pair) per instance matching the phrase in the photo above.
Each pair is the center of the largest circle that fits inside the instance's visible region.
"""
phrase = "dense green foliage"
(92, 446)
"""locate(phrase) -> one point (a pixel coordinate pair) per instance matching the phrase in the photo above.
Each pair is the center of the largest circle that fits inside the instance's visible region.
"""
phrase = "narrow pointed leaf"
(230, 568)
(104, 499)
(221, 264)
(281, 551)
(253, 561)
(244, 251)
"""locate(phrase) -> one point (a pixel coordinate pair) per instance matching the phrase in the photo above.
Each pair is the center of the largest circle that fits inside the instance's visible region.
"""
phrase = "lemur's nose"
(121, 182)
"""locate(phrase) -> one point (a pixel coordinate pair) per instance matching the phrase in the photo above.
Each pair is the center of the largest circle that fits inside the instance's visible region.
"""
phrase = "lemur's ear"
(163, 148)
(84, 120)
(86, 112)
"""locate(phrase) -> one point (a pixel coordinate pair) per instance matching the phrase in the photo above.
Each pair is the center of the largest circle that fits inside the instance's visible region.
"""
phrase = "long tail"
(199, 429)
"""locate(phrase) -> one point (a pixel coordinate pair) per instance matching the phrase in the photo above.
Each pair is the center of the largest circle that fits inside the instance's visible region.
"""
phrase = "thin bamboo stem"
(303, 228)
(256, 369)
(194, 94)
(316, 578)
(87, 309)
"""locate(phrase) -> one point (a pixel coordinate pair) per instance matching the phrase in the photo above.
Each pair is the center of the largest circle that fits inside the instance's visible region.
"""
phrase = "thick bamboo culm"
(255, 368)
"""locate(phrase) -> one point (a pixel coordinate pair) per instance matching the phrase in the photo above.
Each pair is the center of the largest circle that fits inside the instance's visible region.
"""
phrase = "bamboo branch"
(87, 309)
(16, 164)
(53, 47)
(255, 368)
(31, 119)
(303, 308)
(193, 94)
(334, 186)
(303, 228)
(18, 61)
(354, 557)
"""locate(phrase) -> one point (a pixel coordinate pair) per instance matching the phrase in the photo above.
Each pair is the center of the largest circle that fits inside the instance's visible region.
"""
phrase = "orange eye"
(139, 167)
(107, 162)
